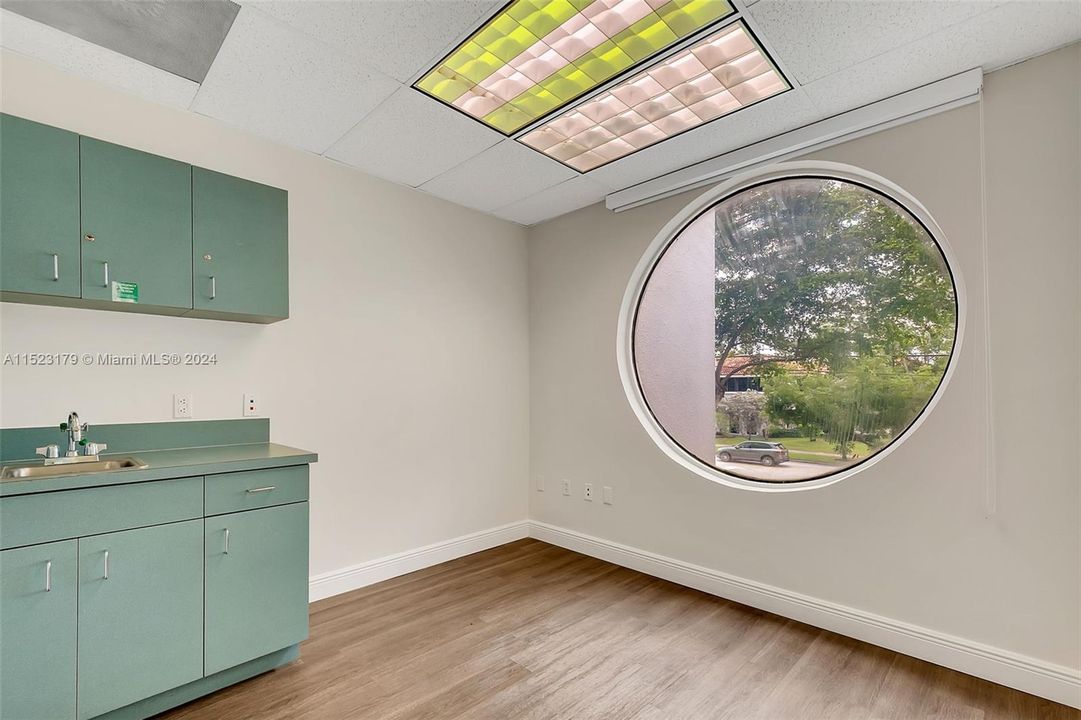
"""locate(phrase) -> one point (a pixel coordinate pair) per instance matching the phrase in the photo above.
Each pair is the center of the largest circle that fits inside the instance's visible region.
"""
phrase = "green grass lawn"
(820, 450)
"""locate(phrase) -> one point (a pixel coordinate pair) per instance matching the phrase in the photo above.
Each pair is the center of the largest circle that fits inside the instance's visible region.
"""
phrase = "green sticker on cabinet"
(125, 292)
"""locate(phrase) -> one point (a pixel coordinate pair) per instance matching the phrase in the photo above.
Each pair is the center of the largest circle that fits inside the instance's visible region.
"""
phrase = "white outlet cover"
(566, 487)
(182, 405)
(251, 405)
(609, 495)
(588, 495)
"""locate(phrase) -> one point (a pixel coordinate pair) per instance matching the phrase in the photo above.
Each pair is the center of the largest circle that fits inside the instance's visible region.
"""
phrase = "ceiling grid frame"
(727, 12)
(735, 16)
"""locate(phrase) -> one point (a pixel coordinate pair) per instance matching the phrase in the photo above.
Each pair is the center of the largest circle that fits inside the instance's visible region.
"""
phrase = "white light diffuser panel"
(536, 56)
(716, 76)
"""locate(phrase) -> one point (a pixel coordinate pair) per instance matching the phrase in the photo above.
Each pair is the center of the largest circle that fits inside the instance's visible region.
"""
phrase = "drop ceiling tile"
(817, 37)
(765, 119)
(398, 37)
(411, 138)
(499, 176)
(1002, 36)
(275, 81)
(79, 57)
(179, 37)
(560, 199)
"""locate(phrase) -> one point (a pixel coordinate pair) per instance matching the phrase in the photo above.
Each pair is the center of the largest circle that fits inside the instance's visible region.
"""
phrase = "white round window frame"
(668, 234)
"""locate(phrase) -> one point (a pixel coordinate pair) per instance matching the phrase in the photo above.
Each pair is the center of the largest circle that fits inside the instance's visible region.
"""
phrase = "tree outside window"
(834, 315)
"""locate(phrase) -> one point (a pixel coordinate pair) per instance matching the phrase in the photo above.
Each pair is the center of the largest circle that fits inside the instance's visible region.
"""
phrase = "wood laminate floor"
(528, 630)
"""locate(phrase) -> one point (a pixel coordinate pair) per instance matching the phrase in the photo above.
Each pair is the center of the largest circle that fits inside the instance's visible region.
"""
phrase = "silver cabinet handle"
(213, 287)
(268, 488)
(56, 266)
(49, 576)
(226, 551)
(106, 565)
(106, 264)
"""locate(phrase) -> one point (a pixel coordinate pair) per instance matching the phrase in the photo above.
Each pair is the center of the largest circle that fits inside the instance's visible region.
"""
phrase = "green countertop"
(164, 464)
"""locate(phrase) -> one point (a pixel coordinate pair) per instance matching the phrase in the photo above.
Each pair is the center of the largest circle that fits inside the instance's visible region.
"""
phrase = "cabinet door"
(140, 614)
(256, 583)
(137, 207)
(241, 247)
(39, 194)
(37, 634)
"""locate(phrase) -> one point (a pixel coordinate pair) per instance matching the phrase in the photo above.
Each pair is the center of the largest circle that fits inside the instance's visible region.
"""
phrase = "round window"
(786, 330)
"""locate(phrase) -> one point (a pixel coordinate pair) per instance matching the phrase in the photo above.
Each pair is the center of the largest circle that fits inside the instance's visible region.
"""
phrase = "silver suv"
(759, 451)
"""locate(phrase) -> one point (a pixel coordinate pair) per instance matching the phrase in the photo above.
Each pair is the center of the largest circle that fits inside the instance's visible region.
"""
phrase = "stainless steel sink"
(23, 471)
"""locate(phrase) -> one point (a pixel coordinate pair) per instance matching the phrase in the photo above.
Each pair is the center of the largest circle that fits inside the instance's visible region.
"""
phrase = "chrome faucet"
(75, 431)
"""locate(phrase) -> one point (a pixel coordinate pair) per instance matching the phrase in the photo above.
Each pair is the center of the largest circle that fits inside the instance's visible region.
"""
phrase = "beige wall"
(404, 364)
(910, 538)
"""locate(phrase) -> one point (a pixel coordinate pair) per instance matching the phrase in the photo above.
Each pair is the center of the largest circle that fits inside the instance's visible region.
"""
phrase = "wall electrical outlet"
(609, 496)
(540, 483)
(588, 495)
(566, 487)
(251, 406)
(182, 405)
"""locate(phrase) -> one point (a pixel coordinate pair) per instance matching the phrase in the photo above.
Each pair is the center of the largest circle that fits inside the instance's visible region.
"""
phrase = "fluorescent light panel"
(536, 56)
(716, 76)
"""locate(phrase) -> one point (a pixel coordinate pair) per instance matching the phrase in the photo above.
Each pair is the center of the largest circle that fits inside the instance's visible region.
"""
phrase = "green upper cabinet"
(140, 614)
(136, 224)
(256, 583)
(38, 595)
(241, 247)
(86, 223)
(39, 209)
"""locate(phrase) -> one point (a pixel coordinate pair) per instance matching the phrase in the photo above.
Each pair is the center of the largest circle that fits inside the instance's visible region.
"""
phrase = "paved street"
(791, 470)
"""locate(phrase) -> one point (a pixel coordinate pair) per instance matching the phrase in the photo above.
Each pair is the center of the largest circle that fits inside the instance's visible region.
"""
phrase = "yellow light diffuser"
(536, 56)
(716, 76)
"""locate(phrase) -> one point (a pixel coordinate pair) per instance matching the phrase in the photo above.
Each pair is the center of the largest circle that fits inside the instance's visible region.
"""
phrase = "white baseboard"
(384, 568)
(1054, 682)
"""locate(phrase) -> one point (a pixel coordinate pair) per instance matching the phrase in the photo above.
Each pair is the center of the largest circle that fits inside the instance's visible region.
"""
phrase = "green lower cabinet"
(123, 624)
(140, 614)
(38, 595)
(256, 583)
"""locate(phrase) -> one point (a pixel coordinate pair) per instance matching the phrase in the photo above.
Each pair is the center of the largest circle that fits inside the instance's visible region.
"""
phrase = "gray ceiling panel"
(180, 37)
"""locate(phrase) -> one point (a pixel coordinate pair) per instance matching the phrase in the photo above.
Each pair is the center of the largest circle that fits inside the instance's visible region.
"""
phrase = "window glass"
(813, 310)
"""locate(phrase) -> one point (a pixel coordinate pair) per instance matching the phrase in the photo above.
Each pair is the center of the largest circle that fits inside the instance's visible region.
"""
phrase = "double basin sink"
(25, 471)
